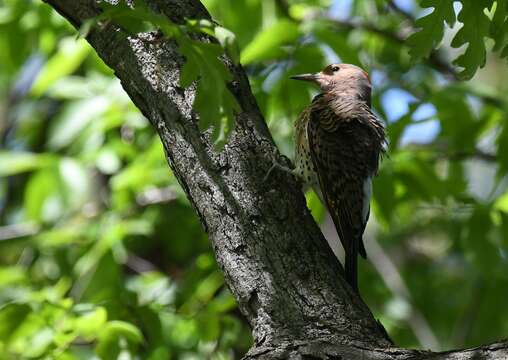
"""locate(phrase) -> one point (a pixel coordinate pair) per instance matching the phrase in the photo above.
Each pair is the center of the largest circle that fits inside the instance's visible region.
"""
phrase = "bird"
(339, 142)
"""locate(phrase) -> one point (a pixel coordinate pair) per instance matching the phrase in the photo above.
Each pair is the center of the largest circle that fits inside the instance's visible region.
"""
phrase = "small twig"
(18, 231)
(443, 152)
(361, 25)
(156, 196)
(138, 264)
(478, 154)
(396, 8)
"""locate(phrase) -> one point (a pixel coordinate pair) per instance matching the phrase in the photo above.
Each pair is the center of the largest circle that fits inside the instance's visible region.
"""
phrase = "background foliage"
(101, 253)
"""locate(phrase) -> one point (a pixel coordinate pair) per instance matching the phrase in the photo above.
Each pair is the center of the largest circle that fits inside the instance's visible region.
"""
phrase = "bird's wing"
(345, 153)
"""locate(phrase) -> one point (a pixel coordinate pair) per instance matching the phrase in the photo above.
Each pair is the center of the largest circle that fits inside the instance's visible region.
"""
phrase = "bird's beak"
(306, 77)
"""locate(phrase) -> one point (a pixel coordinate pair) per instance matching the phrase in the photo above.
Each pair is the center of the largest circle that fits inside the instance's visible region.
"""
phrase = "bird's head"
(343, 79)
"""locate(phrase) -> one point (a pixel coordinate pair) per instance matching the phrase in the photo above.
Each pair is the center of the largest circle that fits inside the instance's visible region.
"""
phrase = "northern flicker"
(339, 142)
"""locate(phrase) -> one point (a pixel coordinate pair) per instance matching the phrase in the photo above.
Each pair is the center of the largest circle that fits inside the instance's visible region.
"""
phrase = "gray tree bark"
(277, 264)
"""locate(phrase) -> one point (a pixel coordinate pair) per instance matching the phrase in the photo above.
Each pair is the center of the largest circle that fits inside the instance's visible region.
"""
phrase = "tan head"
(341, 79)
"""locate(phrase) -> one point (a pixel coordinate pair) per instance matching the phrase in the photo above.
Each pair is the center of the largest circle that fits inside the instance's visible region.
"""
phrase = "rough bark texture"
(276, 262)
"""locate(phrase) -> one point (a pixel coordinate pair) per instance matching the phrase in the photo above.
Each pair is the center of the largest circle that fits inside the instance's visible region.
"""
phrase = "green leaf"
(208, 327)
(90, 324)
(477, 242)
(76, 116)
(204, 292)
(499, 25)
(126, 17)
(42, 199)
(384, 194)
(112, 336)
(504, 52)
(431, 27)
(209, 286)
(502, 150)
(476, 26)
(11, 275)
(213, 102)
(18, 162)
(222, 303)
(75, 183)
(113, 233)
(152, 288)
(460, 126)
(70, 233)
(502, 202)
(227, 39)
(267, 44)
(11, 317)
(182, 331)
(339, 44)
(191, 69)
(117, 329)
(67, 59)
(418, 176)
(36, 344)
(136, 19)
(159, 353)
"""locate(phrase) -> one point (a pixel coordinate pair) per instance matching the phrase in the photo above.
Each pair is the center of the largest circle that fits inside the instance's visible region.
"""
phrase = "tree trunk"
(277, 264)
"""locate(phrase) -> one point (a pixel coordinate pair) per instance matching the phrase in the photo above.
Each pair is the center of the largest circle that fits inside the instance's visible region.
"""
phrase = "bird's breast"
(304, 166)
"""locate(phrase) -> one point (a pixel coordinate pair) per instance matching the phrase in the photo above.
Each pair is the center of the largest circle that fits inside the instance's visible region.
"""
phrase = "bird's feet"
(278, 166)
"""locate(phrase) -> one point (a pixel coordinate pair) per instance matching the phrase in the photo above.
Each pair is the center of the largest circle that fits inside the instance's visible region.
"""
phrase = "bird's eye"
(335, 68)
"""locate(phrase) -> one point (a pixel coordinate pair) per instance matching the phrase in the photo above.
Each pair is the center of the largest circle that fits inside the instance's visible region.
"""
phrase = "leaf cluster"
(479, 19)
(214, 103)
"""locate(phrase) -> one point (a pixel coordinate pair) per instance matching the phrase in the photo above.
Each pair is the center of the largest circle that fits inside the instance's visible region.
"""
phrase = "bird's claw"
(269, 172)
(274, 166)
(277, 165)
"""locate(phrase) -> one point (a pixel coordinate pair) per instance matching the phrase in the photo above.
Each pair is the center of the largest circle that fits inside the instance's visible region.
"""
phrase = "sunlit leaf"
(431, 27)
(17, 162)
(73, 120)
(502, 202)
(267, 44)
(43, 202)
(213, 102)
(67, 59)
(499, 25)
(75, 182)
(152, 288)
(476, 26)
(90, 323)
(135, 18)
(112, 335)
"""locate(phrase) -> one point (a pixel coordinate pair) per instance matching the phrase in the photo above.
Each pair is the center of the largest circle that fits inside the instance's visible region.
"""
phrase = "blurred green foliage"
(101, 253)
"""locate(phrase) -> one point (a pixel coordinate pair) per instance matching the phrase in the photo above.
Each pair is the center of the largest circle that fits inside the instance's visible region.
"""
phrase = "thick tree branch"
(326, 350)
(276, 262)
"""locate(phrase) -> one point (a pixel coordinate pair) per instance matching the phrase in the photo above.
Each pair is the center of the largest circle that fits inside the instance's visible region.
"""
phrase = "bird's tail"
(351, 264)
